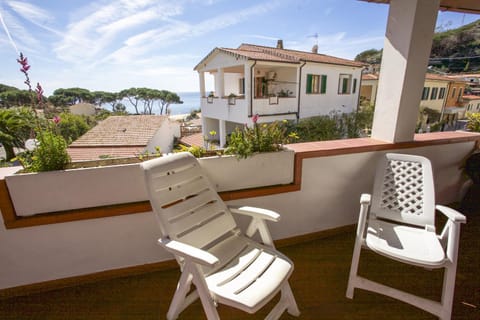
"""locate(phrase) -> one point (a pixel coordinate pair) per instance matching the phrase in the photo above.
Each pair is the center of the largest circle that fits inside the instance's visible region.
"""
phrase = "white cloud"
(176, 31)
(20, 36)
(91, 36)
(30, 12)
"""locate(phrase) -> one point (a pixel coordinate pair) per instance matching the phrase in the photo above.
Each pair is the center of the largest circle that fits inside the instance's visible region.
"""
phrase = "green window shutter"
(309, 83)
(345, 85)
(354, 85)
(323, 87)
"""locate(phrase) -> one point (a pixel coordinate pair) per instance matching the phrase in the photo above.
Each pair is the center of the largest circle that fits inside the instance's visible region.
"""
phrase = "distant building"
(471, 103)
(125, 136)
(276, 84)
(472, 80)
(86, 109)
(441, 93)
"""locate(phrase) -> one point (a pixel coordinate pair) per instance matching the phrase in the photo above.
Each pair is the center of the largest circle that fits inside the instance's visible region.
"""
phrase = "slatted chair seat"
(398, 222)
(225, 265)
(251, 279)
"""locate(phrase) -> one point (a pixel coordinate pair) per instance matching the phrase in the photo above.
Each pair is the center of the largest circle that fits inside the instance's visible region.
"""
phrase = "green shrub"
(198, 152)
(473, 123)
(259, 138)
(72, 126)
(51, 153)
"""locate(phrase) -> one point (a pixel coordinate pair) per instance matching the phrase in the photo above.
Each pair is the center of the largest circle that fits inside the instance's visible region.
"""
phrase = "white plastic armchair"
(398, 221)
(225, 265)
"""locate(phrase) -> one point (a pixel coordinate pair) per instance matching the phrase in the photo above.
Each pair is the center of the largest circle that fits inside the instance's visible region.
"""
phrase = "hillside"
(455, 50)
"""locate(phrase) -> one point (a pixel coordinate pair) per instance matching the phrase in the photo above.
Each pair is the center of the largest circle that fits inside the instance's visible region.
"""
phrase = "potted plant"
(210, 97)
(231, 99)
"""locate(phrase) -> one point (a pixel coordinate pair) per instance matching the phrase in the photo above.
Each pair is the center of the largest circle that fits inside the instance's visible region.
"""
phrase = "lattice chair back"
(185, 202)
(404, 191)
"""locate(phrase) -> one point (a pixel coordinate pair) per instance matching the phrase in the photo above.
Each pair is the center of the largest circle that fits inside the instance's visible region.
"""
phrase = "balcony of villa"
(103, 261)
(90, 251)
(319, 281)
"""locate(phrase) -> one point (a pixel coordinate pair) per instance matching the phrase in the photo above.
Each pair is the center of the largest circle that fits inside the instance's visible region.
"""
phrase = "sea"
(191, 101)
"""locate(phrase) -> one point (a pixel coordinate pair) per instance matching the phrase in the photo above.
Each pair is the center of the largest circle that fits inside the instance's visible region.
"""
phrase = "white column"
(222, 133)
(220, 83)
(201, 78)
(248, 89)
(407, 46)
(205, 130)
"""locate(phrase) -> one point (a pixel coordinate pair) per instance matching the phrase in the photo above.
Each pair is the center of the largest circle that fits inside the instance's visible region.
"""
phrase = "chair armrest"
(254, 212)
(188, 252)
(451, 214)
(365, 198)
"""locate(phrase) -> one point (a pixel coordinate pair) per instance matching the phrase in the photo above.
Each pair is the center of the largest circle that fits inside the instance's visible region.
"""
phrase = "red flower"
(56, 119)
(255, 118)
(24, 62)
(39, 91)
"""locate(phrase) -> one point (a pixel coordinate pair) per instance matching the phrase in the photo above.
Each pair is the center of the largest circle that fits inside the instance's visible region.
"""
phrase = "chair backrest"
(404, 190)
(186, 204)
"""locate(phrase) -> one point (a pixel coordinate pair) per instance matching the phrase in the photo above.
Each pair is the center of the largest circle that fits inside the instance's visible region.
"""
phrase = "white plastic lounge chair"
(224, 265)
(400, 224)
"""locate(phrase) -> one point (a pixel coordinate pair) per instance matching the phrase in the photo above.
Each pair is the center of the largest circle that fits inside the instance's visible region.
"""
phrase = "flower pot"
(262, 169)
(53, 191)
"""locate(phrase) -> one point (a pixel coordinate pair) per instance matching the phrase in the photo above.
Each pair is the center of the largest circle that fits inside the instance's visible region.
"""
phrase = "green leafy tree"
(72, 126)
(15, 128)
(15, 98)
(103, 97)
(372, 56)
(146, 97)
(68, 97)
(132, 96)
(165, 99)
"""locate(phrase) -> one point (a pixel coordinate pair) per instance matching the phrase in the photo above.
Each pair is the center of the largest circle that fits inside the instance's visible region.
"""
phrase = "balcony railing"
(328, 179)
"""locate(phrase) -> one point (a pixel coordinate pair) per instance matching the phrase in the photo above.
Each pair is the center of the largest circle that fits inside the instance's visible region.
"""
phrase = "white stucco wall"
(164, 136)
(322, 104)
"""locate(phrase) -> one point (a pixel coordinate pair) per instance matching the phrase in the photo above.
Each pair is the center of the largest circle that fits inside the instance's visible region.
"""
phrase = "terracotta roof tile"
(193, 140)
(134, 130)
(297, 56)
(262, 53)
(471, 97)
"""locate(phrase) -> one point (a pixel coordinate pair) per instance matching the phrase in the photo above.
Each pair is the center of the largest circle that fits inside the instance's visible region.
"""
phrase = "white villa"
(276, 84)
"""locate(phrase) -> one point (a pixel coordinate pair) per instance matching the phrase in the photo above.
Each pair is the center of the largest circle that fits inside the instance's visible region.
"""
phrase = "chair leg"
(448, 291)
(208, 303)
(178, 301)
(287, 294)
(353, 269)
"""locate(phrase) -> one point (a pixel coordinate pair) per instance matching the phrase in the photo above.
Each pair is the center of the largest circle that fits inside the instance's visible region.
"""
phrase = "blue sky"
(112, 45)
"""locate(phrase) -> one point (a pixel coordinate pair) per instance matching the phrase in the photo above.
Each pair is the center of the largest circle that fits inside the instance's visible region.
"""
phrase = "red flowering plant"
(265, 137)
(48, 148)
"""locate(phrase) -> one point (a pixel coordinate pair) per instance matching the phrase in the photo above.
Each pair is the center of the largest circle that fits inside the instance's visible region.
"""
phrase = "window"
(316, 83)
(344, 83)
(354, 85)
(441, 94)
(460, 93)
(433, 96)
(478, 106)
(425, 93)
(241, 86)
(453, 92)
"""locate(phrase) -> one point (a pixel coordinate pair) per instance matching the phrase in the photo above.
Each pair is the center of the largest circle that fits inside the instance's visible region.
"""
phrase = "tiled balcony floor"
(318, 282)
